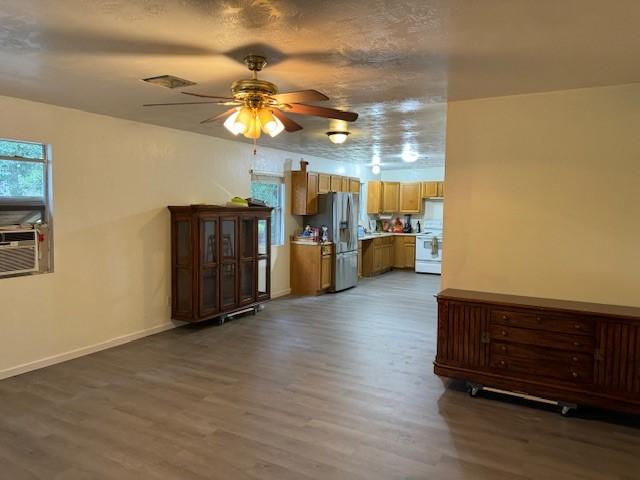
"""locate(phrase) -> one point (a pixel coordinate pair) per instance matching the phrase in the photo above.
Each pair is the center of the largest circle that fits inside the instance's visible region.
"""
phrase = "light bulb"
(267, 120)
(231, 125)
(279, 127)
(338, 137)
(375, 169)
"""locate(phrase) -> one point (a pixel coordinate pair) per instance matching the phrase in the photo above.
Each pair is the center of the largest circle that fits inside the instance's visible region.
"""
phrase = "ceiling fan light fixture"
(279, 128)
(338, 136)
(244, 119)
(253, 132)
(267, 120)
(375, 169)
(231, 124)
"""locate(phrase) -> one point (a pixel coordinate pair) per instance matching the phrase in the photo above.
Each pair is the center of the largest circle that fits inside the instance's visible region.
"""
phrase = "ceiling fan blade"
(302, 109)
(218, 117)
(84, 41)
(202, 95)
(181, 103)
(301, 96)
(289, 125)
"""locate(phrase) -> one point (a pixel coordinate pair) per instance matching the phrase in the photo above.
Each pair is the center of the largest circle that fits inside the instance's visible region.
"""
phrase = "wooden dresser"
(570, 352)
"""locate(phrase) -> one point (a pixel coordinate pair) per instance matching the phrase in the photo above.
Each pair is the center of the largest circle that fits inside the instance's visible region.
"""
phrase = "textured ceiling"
(394, 62)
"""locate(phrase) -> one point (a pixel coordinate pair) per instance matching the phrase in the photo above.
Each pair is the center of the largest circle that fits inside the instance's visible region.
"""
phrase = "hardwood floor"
(331, 387)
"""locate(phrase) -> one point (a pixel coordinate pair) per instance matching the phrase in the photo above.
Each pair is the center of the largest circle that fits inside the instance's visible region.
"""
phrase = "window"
(270, 189)
(24, 190)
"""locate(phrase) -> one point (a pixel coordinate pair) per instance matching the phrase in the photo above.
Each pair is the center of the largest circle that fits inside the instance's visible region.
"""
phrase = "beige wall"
(543, 195)
(112, 182)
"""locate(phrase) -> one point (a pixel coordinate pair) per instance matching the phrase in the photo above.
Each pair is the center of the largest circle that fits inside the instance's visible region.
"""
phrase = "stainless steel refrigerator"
(339, 212)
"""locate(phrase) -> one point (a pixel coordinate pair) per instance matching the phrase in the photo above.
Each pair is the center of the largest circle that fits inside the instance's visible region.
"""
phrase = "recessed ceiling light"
(338, 136)
(169, 81)
(375, 169)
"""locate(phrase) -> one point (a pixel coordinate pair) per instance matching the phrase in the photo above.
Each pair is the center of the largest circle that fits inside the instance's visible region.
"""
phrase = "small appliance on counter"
(407, 225)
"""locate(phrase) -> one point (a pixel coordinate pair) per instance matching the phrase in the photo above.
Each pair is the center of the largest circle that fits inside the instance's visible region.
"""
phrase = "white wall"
(112, 181)
(542, 195)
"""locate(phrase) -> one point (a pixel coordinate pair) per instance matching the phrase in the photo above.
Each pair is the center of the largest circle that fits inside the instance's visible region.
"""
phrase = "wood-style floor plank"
(322, 388)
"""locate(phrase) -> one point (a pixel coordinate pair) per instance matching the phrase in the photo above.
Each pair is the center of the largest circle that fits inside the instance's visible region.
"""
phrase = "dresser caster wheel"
(566, 409)
(473, 390)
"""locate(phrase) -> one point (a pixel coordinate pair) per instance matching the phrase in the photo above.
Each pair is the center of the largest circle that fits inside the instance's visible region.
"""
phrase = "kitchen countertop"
(371, 236)
(312, 244)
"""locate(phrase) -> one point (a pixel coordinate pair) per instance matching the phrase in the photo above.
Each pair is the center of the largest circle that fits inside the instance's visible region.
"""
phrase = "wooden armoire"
(220, 260)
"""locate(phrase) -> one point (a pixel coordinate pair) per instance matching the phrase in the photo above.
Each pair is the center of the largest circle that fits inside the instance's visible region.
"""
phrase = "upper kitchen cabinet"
(304, 193)
(432, 189)
(390, 197)
(374, 197)
(324, 183)
(354, 185)
(336, 183)
(410, 197)
(346, 187)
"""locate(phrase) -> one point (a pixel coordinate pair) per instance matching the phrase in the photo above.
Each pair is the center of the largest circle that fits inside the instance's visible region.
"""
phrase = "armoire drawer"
(541, 355)
(543, 321)
(542, 338)
(565, 371)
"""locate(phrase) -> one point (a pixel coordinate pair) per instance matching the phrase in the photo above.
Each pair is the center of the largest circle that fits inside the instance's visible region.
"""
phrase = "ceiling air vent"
(169, 81)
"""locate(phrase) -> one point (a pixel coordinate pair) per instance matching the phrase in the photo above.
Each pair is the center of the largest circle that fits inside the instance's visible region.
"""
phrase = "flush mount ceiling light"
(257, 106)
(338, 136)
(375, 169)
(408, 155)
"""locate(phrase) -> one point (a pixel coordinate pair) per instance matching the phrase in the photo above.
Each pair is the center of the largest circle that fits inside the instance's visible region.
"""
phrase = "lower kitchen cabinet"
(359, 258)
(404, 251)
(377, 256)
(311, 268)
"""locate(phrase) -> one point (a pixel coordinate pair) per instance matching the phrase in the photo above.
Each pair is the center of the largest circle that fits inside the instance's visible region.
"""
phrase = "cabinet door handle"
(502, 363)
(578, 326)
(575, 359)
(504, 333)
(576, 344)
(574, 374)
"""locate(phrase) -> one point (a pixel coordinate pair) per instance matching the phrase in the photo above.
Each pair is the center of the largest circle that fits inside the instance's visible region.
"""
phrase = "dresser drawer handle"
(575, 359)
(576, 344)
(502, 364)
(578, 326)
(504, 333)
(505, 317)
(503, 348)
(574, 374)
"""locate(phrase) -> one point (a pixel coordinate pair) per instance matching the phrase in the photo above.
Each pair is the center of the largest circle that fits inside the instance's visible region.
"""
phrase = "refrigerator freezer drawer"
(346, 275)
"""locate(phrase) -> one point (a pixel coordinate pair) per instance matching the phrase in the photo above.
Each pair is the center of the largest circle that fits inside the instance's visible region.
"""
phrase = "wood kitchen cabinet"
(324, 183)
(374, 197)
(220, 260)
(336, 183)
(390, 197)
(377, 256)
(346, 184)
(304, 193)
(432, 189)
(404, 251)
(359, 258)
(410, 197)
(354, 185)
(570, 352)
(311, 268)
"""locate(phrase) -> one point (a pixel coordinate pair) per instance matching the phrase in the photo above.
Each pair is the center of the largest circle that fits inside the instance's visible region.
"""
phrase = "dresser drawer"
(535, 364)
(543, 355)
(542, 338)
(543, 321)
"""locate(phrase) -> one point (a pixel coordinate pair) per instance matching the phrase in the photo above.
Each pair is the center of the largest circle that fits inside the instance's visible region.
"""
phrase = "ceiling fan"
(257, 106)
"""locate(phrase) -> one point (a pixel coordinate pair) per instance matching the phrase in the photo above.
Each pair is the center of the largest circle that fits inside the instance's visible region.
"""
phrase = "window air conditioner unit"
(18, 252)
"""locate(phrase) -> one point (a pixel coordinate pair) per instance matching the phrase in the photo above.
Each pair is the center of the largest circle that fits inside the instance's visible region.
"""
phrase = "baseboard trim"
(281, 293)
(80, 352)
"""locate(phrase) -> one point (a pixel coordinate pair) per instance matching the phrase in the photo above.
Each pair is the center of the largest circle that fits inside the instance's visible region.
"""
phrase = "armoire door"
(209, 282)
(263, 258)
(182, 266)
(247, 259)
(228, 262)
